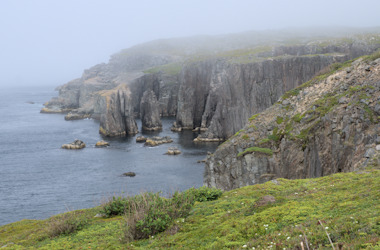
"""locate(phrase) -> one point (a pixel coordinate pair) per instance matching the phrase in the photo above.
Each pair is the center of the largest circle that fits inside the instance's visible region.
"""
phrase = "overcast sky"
(52, 41)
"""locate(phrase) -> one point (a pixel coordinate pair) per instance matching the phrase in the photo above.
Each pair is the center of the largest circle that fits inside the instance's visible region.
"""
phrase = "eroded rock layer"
(327, 125)
(118, 118)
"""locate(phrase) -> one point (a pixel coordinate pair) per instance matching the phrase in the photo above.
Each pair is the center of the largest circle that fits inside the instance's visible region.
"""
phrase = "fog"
(46, 42)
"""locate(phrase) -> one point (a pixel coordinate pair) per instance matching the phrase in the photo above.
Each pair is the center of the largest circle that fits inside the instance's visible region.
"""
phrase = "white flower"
(279, 234)
(300, 235)
(326, 228)
(177, 221)
(288, 238)
(244, 246)
(253, 248)
(296, 193)
(265, 225)
(152, 237)
(242, 203)
(228, 211)
(183, 220)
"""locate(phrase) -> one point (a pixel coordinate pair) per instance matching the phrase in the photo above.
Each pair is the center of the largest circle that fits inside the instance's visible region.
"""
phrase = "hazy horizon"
(51, 42)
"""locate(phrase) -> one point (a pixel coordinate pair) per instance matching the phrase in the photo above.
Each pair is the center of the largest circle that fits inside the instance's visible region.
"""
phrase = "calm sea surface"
(39, 179)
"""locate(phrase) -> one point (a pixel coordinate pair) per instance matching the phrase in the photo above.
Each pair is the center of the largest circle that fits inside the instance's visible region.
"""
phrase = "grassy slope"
(347, 204)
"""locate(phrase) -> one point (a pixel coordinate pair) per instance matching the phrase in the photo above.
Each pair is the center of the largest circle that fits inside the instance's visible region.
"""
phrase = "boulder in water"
(173, 151)
(130, 174)
(77, 144)
(141, 139)
(101, 144)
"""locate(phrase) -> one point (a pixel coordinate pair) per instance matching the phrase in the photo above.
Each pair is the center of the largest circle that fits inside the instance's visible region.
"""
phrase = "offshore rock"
(149, 109)
(102, 144)
(76, 116)
(118, 119)
(156, 140)
(129, 174)
(173, 151)
(141, 139)
(314, 135)
(77, 144)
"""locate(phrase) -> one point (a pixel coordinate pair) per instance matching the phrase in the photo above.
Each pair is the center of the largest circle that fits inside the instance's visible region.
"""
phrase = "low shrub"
(204, 193)
(66, 223)
(114, 206)
(149, 213)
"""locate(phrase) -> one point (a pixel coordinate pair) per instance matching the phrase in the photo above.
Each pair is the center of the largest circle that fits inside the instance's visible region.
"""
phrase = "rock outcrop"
(141, 139)
(210, 84)
(77, 144)
(156, 140)
(102, 144)
(173, 151)
(327, 125)
(118, 119)
(149, 110)
(219, 95)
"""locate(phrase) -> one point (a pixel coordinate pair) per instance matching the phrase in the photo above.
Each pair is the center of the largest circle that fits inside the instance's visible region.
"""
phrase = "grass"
(347, 204)
(168, 69)
(250, 150)
(252, 118)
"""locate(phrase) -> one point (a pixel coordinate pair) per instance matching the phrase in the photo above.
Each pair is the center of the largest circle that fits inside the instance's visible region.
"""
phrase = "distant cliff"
(211, 85)
(327, 125)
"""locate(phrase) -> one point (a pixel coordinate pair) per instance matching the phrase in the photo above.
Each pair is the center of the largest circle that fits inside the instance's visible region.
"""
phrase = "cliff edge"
(327, 125)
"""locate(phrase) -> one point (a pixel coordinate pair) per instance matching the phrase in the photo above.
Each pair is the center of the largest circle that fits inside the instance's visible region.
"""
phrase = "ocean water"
(39, 179)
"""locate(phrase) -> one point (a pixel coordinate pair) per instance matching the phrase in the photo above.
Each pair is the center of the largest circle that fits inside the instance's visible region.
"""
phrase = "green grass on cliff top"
(347, 204)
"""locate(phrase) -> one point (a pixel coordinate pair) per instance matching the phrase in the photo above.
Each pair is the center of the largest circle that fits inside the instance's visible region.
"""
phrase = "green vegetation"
(298, 118)
(250, 150)
(237, 133)
(323, 105)
(374, 55)
(245, 137)
(344, 205)
(253, 117)
(279, 120)
(321, 75)
(169, 69)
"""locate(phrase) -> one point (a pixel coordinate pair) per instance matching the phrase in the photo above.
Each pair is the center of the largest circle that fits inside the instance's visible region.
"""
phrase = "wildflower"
(326, 228)
(253, 248)
(177, 221)
(183, 220)
(288, 238)
(279, 234)
(152, 237)
(242, 203)
(244, 246)
(300, 235)
(265, 225)
(295, 193)
(228, 211)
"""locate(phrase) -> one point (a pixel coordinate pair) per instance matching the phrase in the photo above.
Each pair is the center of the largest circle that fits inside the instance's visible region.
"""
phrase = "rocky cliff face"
(149, 110)
(117, 118)
(327, 125)
(219, 95)
(213, 93)
(165, 88)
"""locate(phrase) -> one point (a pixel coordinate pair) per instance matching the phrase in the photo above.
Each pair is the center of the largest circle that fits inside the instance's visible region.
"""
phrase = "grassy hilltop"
(278, 214)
